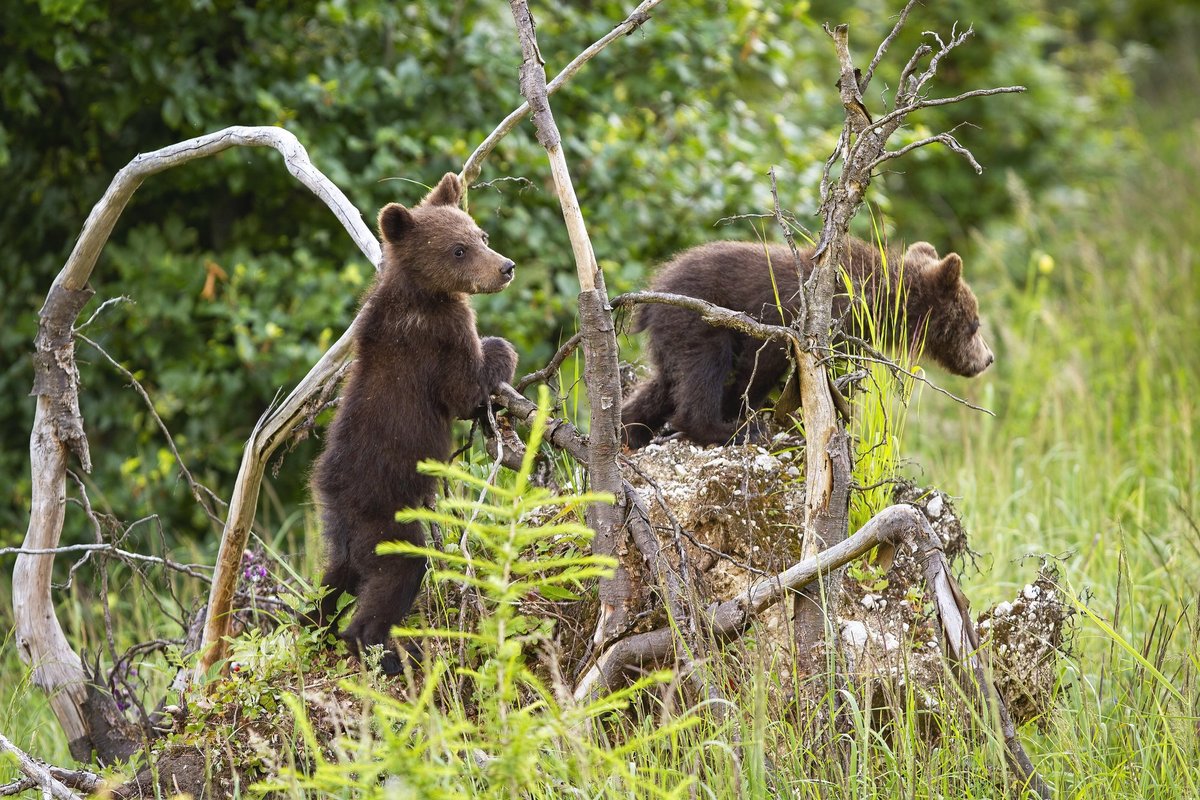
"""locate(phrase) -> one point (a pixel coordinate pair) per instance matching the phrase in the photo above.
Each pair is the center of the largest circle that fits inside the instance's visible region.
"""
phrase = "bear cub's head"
(439, 248)
(946, 302)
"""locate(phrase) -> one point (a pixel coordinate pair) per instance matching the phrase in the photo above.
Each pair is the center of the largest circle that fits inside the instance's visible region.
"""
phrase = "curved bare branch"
(58, 424)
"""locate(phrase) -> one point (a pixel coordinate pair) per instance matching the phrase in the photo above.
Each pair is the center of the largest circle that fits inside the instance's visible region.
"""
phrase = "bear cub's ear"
(920, 252)
(448, 192)
(949, 270)
(394, 222)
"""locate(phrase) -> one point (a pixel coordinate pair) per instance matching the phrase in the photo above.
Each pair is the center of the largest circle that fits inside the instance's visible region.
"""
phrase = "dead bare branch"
(944, 138)
(42, 776)
(905, 73)
(551, 369)
(599, 338)
(112, 301)
(916, 105)
(944, 49)
(191, 570)
(801, 309)
(710, 313)
(881, 51)
(474, 163)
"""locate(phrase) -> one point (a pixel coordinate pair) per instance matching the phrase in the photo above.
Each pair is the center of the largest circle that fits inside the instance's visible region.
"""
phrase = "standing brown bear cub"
(420, 365)
(705, 376)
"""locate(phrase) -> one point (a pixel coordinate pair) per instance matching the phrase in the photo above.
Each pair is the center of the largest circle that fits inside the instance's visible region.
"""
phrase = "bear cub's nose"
(507, 268)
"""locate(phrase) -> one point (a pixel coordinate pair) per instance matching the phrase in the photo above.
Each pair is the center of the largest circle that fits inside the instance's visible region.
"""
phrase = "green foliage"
(509, 733)
(669, 131)
(1092, 455)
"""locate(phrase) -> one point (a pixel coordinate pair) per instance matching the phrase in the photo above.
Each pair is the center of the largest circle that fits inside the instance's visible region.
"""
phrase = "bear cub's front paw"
(499, 362)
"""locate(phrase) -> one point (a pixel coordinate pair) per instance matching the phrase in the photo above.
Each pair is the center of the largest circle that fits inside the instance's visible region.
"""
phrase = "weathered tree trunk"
(617, 594)
(861, 148)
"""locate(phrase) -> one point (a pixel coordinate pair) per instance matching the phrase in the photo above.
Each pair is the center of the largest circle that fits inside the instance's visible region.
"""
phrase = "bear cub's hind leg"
(645, 412)
(385, 597)
(700, 369)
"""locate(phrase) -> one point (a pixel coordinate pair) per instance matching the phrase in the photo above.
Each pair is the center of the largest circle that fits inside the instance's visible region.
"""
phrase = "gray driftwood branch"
(898, 525)
(58, 424)
(52, 781)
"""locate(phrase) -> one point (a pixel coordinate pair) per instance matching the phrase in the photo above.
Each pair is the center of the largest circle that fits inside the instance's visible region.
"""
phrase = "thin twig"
(875, 357)
(199, 492)
(944, 138)
(524, 183)
(710, 313)
(125, 555)
(801, 308)
(474, 164)
(86, 502)
(917, 55)
(545, 373)
(944, 49)
(101, 309)
(917, 105)
(884, 45)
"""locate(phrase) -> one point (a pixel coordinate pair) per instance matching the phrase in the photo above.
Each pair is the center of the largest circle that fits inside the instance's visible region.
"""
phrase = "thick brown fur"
(706, 376)
(420, 364)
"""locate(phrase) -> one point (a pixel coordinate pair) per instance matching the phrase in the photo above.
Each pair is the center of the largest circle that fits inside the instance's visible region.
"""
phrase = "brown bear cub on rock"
(706, 375)
(420, 365)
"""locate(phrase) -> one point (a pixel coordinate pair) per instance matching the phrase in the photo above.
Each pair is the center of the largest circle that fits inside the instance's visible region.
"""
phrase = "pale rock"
(935, 506)
(854, 634)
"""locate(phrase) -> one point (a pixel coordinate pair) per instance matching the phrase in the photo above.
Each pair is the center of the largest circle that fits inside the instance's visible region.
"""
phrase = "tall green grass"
(1092, 457)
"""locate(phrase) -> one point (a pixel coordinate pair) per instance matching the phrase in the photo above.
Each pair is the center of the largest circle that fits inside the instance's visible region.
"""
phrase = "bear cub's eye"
(485, 236)
(460, 251)
(975, 326)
